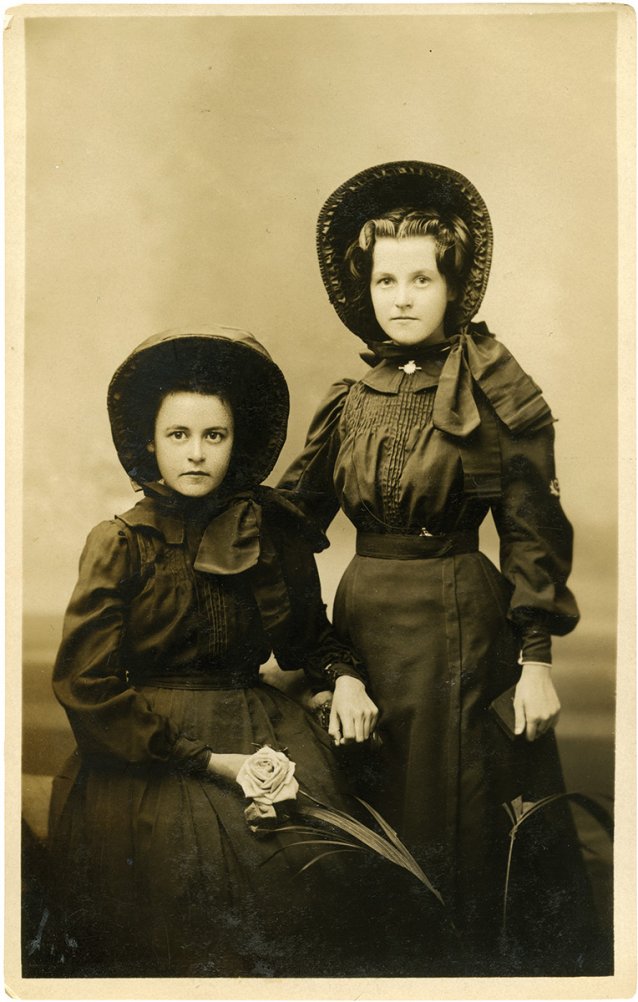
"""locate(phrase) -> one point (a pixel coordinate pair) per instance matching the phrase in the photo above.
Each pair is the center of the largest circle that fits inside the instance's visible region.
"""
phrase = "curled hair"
(453, 245)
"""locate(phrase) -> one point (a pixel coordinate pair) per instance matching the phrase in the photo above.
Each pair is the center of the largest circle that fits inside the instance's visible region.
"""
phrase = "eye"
(178, 435)
(422, 279)
(384, 281)
(215, 436)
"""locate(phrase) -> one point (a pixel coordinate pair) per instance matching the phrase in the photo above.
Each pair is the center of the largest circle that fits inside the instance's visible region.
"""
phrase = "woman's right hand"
(225, 766)
(353, 716)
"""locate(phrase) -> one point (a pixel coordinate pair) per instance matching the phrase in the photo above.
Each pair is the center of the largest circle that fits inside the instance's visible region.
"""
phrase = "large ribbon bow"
(231, 541)
(514, 395)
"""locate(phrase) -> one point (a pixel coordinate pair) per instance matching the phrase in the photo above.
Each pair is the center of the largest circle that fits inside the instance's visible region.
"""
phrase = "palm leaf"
(409, 860)
(394, 851)
(330, 852)
(358, 831)
(596, 810)
(306, 841)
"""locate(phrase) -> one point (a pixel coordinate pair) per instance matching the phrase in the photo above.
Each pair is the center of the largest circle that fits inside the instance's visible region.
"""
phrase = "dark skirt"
(157, 873)
(438, 647)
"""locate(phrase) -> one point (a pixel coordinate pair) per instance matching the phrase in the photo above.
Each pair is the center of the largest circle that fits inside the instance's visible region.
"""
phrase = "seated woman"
(178, 603)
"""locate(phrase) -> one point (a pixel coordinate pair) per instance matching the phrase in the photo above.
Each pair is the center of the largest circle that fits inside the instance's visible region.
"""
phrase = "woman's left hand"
(536, 704)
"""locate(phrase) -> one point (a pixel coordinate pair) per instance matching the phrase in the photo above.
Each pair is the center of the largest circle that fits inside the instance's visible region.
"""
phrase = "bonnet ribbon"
(514, 395)
(234, 542)
(230, 543)
(474, 355)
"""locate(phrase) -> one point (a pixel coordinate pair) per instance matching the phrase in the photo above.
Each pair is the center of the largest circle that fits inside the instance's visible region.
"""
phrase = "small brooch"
(554, 488)
(410, 367)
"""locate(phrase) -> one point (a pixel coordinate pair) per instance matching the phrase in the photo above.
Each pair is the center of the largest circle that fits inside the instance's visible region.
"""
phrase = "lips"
(194, 473)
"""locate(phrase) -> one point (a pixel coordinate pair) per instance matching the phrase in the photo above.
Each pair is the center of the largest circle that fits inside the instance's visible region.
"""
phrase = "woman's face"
(193, 442)
(409, 293)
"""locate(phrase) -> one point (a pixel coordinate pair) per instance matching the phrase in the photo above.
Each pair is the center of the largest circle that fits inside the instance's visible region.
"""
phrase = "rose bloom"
(268, 777)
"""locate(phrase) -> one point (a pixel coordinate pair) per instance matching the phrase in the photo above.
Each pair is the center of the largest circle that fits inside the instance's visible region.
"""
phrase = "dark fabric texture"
(441, 636)
(156, 872)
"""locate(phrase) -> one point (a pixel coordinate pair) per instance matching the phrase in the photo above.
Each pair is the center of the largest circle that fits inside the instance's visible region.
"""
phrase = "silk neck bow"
(230, 543)
(475, 356)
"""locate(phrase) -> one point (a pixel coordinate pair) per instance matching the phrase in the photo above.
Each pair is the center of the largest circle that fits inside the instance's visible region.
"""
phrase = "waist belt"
(388, 546)
(217, 680)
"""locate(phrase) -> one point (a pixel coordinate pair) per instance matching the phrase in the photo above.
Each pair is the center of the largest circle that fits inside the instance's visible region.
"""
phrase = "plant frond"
(331, 852)
(306, 841)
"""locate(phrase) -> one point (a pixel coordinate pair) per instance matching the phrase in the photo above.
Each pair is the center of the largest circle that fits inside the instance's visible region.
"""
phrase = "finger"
(334, 727)
(519, 717)
(359, 728)
(531, 730)
(346, 728)
(365, 725)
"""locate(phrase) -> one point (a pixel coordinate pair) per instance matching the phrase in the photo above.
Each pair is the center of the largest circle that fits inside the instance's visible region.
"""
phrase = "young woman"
(445, 428)
(178, 602)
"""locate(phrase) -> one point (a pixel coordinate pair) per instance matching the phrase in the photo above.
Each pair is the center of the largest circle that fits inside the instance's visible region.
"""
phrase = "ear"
(150, 446)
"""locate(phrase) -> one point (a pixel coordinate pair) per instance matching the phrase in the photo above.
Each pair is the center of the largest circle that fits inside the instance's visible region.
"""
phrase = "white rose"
(268, 777)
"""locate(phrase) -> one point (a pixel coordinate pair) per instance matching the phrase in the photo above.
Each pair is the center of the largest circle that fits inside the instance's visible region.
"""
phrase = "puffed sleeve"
(308, 481)
(111, 720)
(535, 542)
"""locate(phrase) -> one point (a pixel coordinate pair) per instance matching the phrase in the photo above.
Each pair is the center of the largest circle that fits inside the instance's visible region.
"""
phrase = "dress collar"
(413, 373)
(470, 357)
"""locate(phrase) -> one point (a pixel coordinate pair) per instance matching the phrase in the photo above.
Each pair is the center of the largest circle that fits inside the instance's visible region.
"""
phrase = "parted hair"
(452, 238)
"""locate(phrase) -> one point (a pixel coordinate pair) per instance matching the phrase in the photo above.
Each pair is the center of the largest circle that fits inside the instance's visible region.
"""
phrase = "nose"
(195, 451)
(403, 297)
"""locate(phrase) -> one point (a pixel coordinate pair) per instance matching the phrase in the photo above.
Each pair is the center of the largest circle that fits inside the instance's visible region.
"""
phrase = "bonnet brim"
(378, 190)
(213, 354)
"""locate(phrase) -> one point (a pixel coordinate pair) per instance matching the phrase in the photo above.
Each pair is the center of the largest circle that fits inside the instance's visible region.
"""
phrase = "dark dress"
(157, 873)
(440, 630)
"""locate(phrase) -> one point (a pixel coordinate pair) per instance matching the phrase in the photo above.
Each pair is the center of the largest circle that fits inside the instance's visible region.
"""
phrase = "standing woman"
(445, 428)
(178, 602)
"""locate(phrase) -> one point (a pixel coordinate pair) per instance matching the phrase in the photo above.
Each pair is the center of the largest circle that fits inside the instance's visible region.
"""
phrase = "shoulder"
(288, 522)
(106, 551)
(328, 413)
(336, 396)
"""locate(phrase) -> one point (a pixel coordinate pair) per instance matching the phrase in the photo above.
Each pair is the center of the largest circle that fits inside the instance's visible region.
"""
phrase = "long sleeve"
(110, 719)
(308, 482)
(308, 640)
(535, 542)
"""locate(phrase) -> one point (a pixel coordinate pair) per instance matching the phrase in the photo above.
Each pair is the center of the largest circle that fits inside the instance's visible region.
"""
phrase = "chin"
(194, 491)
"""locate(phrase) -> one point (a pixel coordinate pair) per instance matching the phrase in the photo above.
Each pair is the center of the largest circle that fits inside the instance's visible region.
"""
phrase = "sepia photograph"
(320, 414)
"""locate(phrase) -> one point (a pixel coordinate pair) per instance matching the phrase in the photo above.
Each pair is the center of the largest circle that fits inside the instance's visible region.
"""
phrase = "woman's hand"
(536, 705)
(225, 766)
(353, 715)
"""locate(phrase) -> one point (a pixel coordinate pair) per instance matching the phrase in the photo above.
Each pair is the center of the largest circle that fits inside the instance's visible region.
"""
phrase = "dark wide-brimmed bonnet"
(380, 189)
(214, 355)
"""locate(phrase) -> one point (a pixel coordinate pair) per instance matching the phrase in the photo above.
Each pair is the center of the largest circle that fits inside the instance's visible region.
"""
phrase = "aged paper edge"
(623, 983)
